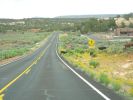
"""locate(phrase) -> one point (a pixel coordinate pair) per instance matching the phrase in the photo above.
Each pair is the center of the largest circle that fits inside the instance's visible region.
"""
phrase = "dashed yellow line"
(25, 71)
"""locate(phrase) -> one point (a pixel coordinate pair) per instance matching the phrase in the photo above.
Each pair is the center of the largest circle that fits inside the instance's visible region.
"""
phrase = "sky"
(51, 8)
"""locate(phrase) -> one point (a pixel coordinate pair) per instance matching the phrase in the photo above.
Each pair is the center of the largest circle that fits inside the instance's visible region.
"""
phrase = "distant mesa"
(89, 16)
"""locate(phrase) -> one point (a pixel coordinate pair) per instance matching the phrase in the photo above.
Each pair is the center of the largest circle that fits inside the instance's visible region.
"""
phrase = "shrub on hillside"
(94, 63)
(104, 79)
(131, 39)
(79, 50)
(93, 52)
(130, 91)
(116, 85)
(113, 49)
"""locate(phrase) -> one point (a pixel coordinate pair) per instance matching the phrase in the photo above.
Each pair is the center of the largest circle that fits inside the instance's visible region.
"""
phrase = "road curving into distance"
(43, 75)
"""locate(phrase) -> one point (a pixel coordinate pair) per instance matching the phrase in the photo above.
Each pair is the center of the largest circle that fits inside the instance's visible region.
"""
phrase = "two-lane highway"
(43, 76)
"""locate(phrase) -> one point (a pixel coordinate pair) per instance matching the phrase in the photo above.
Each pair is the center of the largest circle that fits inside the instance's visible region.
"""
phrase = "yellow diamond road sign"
(91, 42)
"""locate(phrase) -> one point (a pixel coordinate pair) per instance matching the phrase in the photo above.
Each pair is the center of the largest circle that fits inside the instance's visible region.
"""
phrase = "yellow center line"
(27, 71)
(28, 68)
(1, 96)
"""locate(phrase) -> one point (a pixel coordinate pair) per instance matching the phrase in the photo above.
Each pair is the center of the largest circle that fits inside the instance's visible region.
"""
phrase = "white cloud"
(51, 8)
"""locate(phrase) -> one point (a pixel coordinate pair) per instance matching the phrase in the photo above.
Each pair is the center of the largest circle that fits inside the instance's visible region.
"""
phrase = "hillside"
(88, 16)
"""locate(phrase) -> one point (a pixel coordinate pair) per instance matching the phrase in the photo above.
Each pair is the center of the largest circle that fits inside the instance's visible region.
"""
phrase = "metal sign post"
(91, 44)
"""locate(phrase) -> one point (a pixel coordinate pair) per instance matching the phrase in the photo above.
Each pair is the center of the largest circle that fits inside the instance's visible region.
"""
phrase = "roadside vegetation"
(17, 44)
(110, 62)
(113, 66)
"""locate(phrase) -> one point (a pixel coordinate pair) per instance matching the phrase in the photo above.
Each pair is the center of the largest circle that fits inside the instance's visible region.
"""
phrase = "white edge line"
(88, 83)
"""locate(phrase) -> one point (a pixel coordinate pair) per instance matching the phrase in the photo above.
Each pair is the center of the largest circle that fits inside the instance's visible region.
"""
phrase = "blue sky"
(52, 8)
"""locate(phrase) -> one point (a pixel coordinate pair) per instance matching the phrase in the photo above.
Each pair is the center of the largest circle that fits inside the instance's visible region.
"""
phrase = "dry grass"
(12, 45)
(115, 70)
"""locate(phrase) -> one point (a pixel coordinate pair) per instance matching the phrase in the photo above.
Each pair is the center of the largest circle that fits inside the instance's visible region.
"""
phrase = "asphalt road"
(43, 76)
